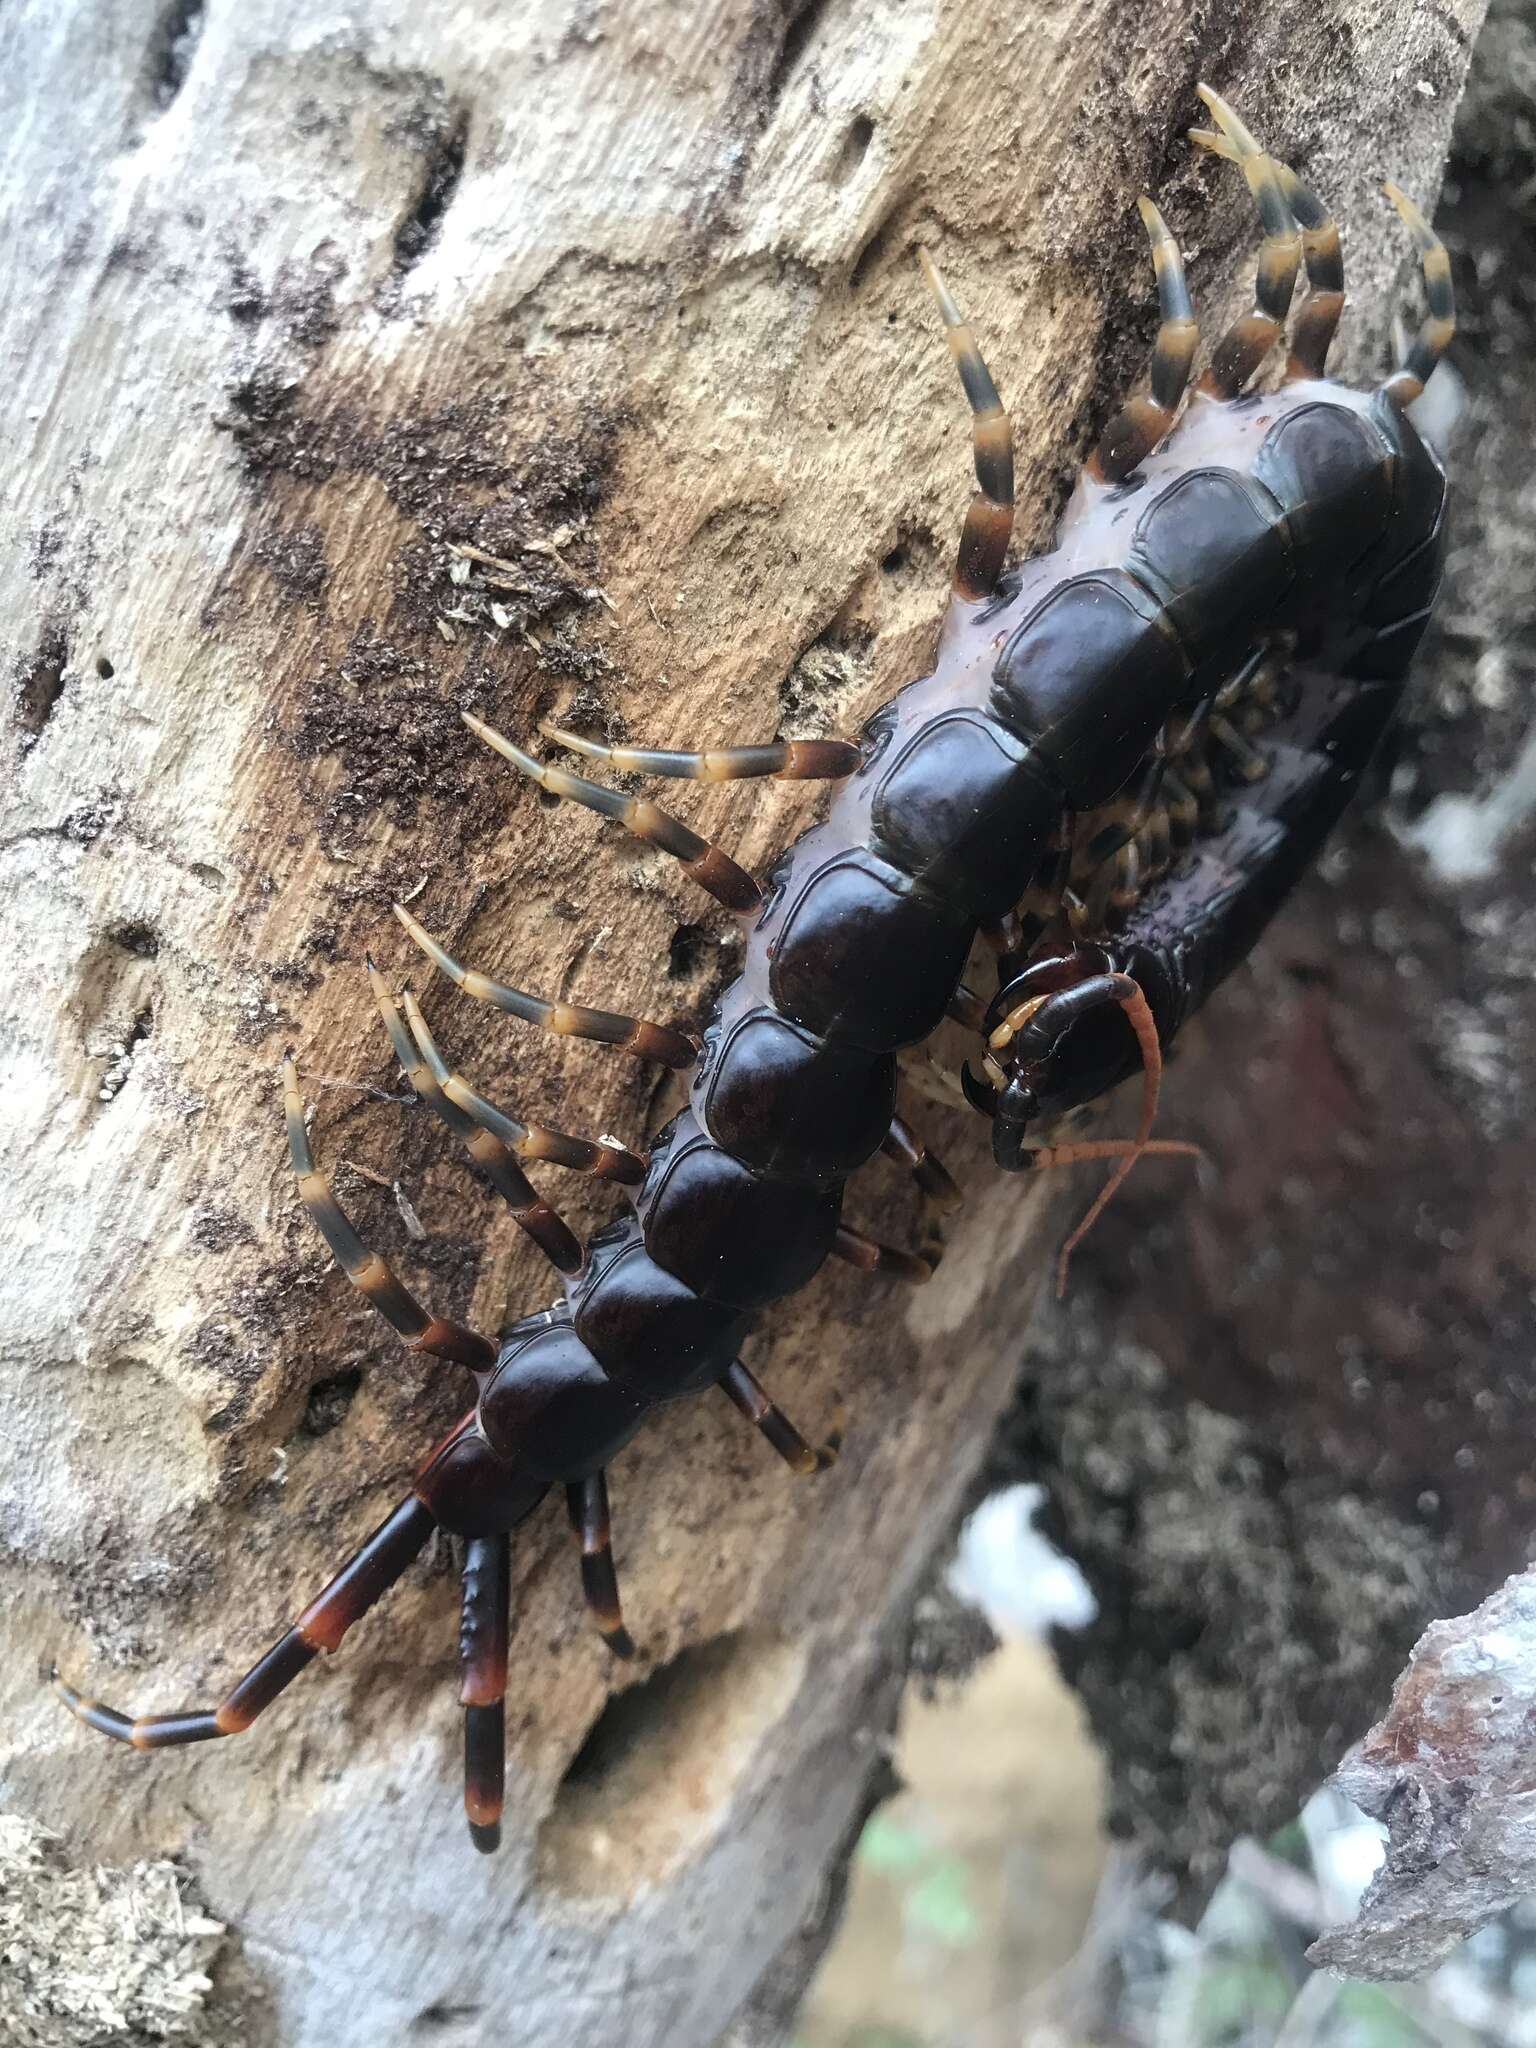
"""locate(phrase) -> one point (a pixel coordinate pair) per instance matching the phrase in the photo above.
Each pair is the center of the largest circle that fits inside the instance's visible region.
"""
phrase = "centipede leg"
(1141, 423)
(747, 1395)
(370, 1273)
(587, 1505)
(483, 1630)
(988, 523)
(934, 1183)
(1439, 323)
(967, 1007)
(714, 871)
(784, 760)
(528, 1208)
(568, 1020)
(855, 1249)
(528, 1141)
(368, 1573)
(1249, 339)
(1318, 320)
(939, 1197)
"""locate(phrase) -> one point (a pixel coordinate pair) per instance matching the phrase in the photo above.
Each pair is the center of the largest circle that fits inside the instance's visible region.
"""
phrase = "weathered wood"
(625, 297)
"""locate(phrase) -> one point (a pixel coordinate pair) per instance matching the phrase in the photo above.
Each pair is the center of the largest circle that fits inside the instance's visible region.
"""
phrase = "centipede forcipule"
(1124, 755)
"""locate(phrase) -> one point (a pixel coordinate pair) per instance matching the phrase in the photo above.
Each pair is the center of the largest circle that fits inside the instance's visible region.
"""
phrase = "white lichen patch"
(98, 1954)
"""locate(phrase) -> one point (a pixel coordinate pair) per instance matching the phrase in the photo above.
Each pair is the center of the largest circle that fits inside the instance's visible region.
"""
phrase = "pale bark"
(625, 295)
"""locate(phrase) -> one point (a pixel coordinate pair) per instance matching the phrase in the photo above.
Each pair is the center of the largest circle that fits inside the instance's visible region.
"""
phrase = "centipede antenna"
(568, 1020)
(1249, 339)
(484, 1620)
(528, 1208)
(785, 760)
(1141, 423)
(528, 1141)
(714, 871)
(1439, 323)
(370, 1273)
(1139, 1016)
(748, 1396)
(988, 526)
(371, 1570)
(586, 1502)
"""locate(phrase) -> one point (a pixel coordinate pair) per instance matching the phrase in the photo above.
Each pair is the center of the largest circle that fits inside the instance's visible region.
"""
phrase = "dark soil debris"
(295, 559)
(393, 732)
(218, 1230)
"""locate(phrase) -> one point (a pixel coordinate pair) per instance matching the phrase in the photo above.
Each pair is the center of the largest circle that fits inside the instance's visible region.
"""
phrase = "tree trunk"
(624, 298)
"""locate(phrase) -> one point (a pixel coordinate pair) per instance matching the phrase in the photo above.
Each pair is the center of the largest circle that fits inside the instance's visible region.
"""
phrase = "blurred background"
(1351, 1294)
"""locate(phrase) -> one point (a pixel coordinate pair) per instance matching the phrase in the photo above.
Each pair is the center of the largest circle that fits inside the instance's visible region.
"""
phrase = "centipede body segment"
(1127, 751)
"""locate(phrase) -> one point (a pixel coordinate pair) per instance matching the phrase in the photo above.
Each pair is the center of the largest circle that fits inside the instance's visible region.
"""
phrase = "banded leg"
(367, 1574)
(775, 1425)
(1041, 902)
(784, 760)
(934, 1183)
(1439, 323)
(369, 1273)
(1248, 340)
(1318, 320)
(966, 1007)
(528, 1208)
(714, 871)
(529, 1141)
(483, 1630)
(855, 1249)
(940, 1197)
(586, 1503)
(568, 1020)
(988, 523)
(1141, 423)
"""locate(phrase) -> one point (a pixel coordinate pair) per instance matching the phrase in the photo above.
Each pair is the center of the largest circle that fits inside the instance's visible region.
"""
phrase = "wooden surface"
(624, 296)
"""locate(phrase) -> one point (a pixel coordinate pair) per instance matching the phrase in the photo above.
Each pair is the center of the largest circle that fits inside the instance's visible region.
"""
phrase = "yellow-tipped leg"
(785, 760)
(1141, 423)
(714, 870)
(1439, 324)
(528, 1208)
(568, 1020)
(528, 1141)
(1318, 319)
(372, 1275)
(989, 519)
(1246, 343)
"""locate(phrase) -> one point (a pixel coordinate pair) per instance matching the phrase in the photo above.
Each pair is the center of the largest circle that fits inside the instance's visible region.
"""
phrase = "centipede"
(1127, 751)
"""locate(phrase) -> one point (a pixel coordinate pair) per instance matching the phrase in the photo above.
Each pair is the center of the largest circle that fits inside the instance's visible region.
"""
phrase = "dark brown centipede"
(1125, 754)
